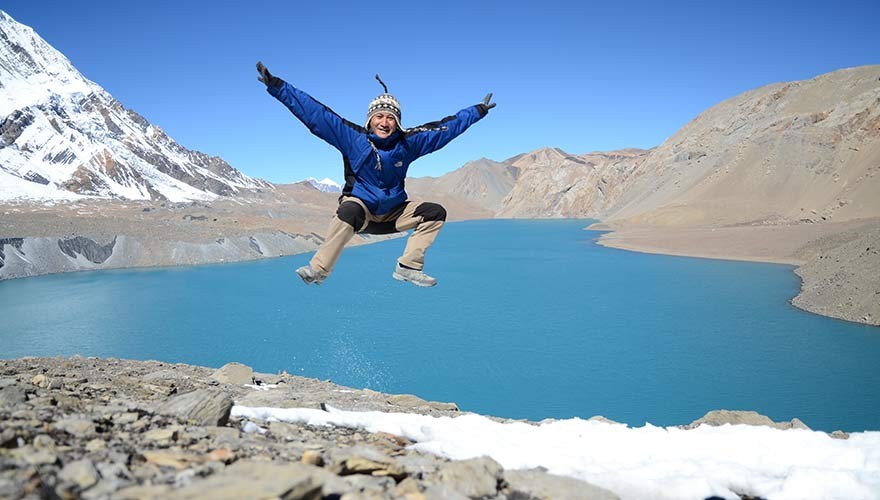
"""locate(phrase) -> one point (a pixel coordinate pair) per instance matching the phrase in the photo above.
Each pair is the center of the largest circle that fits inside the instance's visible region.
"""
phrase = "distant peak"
(326, 185)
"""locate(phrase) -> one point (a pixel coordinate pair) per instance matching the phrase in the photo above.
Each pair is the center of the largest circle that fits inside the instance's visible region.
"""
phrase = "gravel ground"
(112, 428)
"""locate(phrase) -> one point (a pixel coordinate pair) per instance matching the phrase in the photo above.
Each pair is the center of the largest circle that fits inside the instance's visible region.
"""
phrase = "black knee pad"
(352, 214)
(430, 211)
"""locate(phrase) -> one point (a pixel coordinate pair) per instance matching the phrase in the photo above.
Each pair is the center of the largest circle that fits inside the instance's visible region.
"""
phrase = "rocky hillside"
(545, 183)
(553, 183)
(787, 153)
(482, 184)
(91, 234)
(64, 137)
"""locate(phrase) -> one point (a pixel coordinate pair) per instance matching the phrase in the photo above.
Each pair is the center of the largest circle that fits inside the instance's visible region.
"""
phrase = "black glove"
(267, 78)
(485, 106)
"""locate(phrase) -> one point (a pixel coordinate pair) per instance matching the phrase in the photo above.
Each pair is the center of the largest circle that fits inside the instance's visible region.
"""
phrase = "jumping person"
(376, 158)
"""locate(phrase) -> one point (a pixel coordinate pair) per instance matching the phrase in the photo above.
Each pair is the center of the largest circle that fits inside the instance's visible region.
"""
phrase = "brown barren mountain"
(786, 153)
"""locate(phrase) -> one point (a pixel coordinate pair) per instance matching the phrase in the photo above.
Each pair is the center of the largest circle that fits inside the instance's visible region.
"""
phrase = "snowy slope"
(326, 185)
(63, 136)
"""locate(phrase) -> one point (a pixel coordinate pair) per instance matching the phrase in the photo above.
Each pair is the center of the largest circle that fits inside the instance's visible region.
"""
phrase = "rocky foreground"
(100, 428)
(110, 428)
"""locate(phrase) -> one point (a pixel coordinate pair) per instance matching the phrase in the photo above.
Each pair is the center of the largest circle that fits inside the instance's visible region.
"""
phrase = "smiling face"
(383, 125)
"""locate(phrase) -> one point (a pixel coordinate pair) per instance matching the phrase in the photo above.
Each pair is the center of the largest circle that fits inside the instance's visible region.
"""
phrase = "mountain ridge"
(791, 152)
(63, 137)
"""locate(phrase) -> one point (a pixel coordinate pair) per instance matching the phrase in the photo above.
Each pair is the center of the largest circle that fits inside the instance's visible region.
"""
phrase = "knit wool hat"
(384, 103)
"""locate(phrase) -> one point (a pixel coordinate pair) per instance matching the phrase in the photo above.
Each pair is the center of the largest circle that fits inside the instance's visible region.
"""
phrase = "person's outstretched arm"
(432, 136)
(320, 119)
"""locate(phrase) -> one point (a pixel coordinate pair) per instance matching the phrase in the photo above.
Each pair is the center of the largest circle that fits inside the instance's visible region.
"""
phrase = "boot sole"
(308, 280)
(400, 277)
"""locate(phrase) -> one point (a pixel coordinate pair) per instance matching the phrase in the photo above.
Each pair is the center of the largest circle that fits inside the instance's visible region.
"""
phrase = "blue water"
(531, 319)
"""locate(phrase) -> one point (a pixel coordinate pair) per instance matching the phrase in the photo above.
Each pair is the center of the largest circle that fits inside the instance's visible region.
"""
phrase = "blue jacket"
(375, 175)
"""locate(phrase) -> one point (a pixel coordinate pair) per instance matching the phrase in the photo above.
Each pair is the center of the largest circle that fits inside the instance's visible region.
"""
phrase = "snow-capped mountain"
(62, 136)
(327, 185)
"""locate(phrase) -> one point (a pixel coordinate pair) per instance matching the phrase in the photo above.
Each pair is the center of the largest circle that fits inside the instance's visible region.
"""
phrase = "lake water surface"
(531, 319)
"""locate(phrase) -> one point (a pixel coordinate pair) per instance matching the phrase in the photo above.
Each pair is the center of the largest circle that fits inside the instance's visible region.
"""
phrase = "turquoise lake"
(531, 319)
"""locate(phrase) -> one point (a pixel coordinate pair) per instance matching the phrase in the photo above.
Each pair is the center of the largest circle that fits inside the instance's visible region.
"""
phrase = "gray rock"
(143, 492)
(418, 464)
(366, 460)
(600, 418)
(410, 401)
(88, 248)
(106, 488)
(125, 418)
(369, 484)
(116, 468)
(40, 380)
(44, 441)
(79, 427)
(256, 479)
(276, 399)
(285, 431)
(80, 472)
(840, 435)
(234, 373)
(10, 488)
(12, 395)
(443, 492)
(735, 417)
(35, 456)
(202, 406)
(537, 483)
(167, 374)
(162, 436)
(8, 438)
(796, 423)
(477, 477)
(193, 434)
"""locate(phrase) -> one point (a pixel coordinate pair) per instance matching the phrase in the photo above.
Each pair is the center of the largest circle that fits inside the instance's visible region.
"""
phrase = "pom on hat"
(385, 103)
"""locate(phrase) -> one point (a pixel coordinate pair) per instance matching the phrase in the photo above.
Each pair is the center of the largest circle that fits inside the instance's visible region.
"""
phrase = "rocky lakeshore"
(839, 264)
(112, 428)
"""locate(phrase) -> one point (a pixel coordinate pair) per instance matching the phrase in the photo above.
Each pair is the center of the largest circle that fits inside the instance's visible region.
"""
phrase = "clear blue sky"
(581, 76)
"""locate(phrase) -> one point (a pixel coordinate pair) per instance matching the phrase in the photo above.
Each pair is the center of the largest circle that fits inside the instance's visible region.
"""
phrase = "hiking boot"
(310, 276)
(414, 276)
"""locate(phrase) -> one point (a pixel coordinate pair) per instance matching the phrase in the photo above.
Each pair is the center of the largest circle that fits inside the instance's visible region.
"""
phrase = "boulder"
(80, 472)
(736, 417)
(475, 478)
(536, 483)
(234, 373)
(202, 406)
(366, 460)
(256, 479)
(410, 401)
(79, 427)
(12, 395)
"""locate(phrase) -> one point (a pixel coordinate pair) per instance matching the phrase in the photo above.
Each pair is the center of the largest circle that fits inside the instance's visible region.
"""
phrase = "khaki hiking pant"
(353, 217)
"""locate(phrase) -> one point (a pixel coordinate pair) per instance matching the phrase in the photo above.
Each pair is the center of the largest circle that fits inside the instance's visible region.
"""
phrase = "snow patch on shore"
(643, 462)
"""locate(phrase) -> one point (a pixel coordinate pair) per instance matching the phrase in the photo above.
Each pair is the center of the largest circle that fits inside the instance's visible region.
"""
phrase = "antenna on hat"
(383, 83)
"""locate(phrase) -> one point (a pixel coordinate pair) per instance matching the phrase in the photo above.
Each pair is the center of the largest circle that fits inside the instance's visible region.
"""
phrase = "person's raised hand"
(486, 104)
(266, 77)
